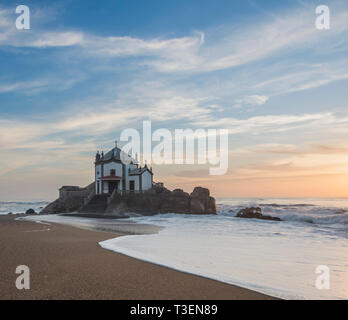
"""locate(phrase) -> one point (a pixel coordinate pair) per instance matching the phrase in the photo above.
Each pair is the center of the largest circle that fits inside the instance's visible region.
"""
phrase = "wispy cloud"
(196, 53)
(268, 122)
(250, 101)
(31, 87)
(315, 76)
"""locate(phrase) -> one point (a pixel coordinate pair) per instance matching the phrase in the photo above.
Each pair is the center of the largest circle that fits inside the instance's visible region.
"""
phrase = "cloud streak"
(192, 53)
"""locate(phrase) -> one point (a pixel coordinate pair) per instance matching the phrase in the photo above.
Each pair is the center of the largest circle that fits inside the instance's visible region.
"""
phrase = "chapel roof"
(139, 171)
(113, 154)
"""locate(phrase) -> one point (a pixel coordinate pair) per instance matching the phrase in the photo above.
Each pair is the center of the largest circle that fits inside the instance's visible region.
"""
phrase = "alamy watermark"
(23, 280)
(23, 20)
(322, 22)
(178, 147)
(323, 280)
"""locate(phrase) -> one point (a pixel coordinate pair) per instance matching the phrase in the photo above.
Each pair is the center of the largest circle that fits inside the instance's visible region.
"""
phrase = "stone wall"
(71, 198)
(67, 192)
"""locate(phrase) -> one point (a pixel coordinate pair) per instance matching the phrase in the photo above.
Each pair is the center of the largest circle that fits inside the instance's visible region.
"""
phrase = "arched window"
(112, 172)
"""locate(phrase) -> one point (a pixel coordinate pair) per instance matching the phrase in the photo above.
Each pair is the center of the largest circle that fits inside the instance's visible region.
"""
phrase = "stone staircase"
(97, 204)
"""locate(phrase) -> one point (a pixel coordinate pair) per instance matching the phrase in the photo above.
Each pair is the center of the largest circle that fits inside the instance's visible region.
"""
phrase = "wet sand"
(67, 263)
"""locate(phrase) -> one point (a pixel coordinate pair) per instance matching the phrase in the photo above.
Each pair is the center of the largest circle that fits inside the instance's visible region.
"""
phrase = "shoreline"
(67, 262)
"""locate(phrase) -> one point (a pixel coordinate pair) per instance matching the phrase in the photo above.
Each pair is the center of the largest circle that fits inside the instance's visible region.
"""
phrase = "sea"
(21, 206)
(304, 256)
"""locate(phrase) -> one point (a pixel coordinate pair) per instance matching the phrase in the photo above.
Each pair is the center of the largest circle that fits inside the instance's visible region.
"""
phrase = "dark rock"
(255, 213)
(201, 202)
(197, 206)
(176, 201)
(10, 213)
(199, 192)
(270, 218)
(159, 189)
(30, 211)
(156, 200)
(211, 209)
(162, 200)
(341, 211)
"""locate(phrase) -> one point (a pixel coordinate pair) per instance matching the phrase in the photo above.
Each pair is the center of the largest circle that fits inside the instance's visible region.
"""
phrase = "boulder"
(341, 211)
(30, 211)
(201, 193)
(211, 209)
(201, 202)
(255, 213)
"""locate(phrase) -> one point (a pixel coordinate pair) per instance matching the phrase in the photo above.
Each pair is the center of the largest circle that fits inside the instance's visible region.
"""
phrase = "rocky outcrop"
(156, 200)
(255, 213)
(162, 200)
(70, 199)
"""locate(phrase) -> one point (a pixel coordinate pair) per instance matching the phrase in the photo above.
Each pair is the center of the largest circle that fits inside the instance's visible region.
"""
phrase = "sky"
(86, 70)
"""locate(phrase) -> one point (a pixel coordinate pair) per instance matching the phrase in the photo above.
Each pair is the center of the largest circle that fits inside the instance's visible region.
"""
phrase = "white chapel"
(111, 173)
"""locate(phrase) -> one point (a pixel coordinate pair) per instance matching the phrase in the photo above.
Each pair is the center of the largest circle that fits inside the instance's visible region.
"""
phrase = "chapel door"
(112, 186)
(131, 185)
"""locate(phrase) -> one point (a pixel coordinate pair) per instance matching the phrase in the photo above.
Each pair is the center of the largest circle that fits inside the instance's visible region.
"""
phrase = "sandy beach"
(67, 263)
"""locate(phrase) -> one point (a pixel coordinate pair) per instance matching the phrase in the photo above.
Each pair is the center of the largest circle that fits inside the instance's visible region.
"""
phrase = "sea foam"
(276, 258)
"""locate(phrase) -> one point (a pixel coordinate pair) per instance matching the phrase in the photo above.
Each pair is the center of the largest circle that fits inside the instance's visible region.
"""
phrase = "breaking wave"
(322, 216)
